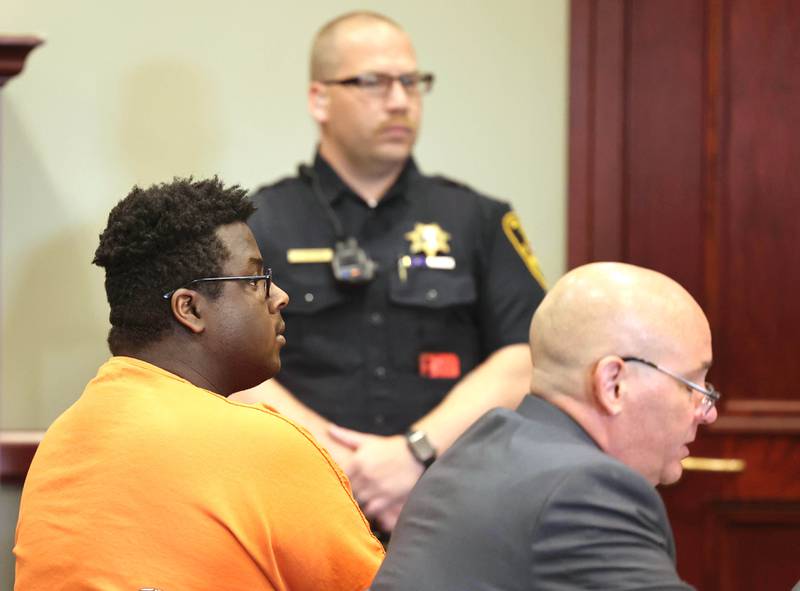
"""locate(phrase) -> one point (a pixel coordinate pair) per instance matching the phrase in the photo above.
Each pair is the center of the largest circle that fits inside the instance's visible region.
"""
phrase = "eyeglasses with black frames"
(252, 279)
(378, 85)
(710, 395)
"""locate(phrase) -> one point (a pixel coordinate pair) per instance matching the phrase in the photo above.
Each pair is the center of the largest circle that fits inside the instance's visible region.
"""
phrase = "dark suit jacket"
(526, 500)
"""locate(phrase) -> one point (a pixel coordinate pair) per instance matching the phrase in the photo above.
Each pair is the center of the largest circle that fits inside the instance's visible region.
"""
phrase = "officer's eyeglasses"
(710, 395)
(254, 280)
(378, 85)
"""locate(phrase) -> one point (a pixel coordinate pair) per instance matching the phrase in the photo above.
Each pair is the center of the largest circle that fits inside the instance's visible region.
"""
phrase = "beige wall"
(136, 92)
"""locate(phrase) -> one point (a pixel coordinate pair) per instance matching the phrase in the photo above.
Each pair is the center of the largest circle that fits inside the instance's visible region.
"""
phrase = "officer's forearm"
(502, 380)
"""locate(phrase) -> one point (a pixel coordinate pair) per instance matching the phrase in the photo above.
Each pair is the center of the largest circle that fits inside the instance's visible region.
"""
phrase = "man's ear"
(608, 385)
(188, 308)
(318, 99)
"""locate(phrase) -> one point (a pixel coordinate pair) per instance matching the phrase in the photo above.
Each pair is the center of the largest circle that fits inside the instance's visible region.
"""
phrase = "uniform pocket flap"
(433, 288)
(311, 288)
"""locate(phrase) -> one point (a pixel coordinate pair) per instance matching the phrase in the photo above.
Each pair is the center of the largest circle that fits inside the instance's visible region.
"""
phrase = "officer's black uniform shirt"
(357, 354)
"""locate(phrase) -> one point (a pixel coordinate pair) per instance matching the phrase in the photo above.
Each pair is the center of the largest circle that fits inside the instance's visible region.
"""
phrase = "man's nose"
(278, 299)
(710, 416)
(398, 96)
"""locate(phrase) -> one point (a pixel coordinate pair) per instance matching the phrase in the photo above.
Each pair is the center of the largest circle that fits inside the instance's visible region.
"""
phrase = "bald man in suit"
(559, 494)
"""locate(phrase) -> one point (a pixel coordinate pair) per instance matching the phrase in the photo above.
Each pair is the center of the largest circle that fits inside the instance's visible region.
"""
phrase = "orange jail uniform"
(148, 481)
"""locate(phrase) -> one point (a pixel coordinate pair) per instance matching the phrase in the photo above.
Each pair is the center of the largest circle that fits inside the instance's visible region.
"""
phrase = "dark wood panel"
(704, 190)
(581, 34)
(702, 97)
(664, 132)
(689, 503)
(745, 530)
(706, 506)
(608, 138)
(761, 319)
(713, 166)
(596, 131)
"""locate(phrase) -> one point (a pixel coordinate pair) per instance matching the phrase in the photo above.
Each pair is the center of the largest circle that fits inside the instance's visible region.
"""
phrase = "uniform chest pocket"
(433, 289)
(311, 288)
(319, 329)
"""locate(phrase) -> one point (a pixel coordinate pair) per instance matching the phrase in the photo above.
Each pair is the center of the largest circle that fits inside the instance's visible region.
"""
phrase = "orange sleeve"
(320, 538)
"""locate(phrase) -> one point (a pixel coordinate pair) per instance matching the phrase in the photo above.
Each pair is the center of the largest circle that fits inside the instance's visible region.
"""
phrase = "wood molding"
(14, 49)
(757, 425)
(750, 415)
(750, 406)
(596, 122)
(580, 131)
(16, 452)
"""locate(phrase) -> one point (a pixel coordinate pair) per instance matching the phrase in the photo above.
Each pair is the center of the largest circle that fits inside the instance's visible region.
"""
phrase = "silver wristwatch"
(421, 447)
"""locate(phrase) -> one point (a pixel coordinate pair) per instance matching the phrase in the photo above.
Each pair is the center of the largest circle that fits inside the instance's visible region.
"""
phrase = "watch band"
(421, 447)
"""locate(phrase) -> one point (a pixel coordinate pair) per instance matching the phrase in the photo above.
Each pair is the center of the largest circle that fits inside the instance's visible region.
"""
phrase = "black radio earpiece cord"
(350, 263)
(307, 173)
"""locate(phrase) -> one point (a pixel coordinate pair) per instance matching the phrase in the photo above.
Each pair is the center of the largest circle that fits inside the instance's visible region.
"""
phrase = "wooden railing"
(13, 51)
(16, 452)
(16, 447)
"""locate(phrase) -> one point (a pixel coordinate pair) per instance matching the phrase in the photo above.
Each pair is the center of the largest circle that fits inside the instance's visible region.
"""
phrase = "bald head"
(605, 309)
(616, 347)
(326, 51)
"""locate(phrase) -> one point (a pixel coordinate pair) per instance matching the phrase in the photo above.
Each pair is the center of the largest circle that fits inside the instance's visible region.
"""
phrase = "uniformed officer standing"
(410, 294)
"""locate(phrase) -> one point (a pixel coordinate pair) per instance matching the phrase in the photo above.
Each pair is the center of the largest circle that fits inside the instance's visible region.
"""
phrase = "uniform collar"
(334, 188)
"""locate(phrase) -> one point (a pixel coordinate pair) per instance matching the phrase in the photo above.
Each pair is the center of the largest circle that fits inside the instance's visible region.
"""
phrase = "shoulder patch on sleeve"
(516, 236)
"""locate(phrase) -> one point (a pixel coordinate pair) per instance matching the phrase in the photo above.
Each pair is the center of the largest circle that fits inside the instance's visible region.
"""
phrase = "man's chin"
(672, 475)
(394, 152)
(269, 371)
(274, 366)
